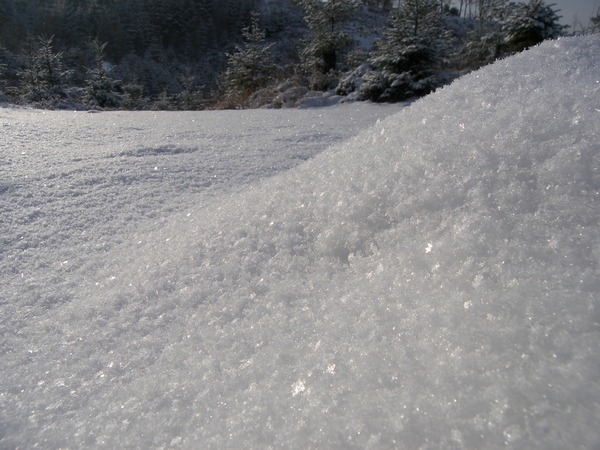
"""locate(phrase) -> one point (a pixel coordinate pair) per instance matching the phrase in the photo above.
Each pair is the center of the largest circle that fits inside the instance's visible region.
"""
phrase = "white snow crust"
(432, 282)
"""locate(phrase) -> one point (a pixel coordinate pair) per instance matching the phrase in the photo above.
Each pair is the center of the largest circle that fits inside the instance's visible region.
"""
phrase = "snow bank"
(431, 283)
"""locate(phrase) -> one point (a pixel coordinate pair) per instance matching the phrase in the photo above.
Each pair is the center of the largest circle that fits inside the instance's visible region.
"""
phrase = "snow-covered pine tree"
(50, 64)
(29, 88)
(190, 98)
(483, 44)
(528, 24)
(594, 26)
(482, 47)
(250, 67)
(3, 68)
(134, 94)
(412, 54)
(328, 38)
(42, 77)
(2, 82)
(101, 90)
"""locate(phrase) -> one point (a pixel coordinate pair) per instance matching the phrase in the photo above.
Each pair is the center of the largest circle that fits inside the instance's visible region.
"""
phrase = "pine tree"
(250, 67)
(3, 58)
(3, 68)
(594, 26)
(51, 71)
(415, 47)
(191, 97)
(528, 24)
(42, 77)
(101, 89)
(484, 44)
(9, 62)
(329, 38)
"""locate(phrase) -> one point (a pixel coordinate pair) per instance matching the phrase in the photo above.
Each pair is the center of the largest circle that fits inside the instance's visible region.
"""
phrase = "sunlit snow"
(225, 280)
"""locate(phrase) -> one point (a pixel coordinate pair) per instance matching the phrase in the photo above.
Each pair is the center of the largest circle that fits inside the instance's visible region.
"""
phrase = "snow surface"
(432, 282)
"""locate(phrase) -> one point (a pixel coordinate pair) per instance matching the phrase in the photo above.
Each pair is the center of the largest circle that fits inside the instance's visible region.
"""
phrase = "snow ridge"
(429, 283)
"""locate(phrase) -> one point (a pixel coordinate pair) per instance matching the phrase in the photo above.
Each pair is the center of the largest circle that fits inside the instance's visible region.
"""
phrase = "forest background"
(197, 54)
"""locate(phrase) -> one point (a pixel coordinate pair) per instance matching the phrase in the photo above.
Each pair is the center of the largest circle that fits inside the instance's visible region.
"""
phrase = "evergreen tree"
(164, 102)
(51, 73)
(3, 69)
(329, 38)
(484, 44)
(410, 58)
(594, 26)
(191, 97)
(4, 57)
(528, 24)
(101, 89)
(250, 67)
(30, 88)
(42, 77)
(134, 94)
(7, 72)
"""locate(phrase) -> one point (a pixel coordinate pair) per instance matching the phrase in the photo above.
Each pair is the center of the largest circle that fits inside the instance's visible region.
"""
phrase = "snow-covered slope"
(431, 283)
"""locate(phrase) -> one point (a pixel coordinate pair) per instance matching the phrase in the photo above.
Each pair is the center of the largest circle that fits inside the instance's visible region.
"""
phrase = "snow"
(263, 279)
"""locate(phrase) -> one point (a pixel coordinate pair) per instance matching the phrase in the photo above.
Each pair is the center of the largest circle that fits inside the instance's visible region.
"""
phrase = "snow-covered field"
(226, 280)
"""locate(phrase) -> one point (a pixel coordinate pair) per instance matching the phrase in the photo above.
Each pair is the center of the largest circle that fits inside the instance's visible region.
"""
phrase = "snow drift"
(430, 283)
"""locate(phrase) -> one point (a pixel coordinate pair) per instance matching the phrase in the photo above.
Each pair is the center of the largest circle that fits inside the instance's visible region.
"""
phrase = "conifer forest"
(197, 54)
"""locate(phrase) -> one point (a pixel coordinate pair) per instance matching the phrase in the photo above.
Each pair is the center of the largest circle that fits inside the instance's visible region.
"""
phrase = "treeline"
(189, 54)
(152, 44)
(422, 45)
(186, 27)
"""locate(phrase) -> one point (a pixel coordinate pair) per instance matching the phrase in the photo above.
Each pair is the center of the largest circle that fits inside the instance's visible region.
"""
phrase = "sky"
(420, 275)
(583, 9)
